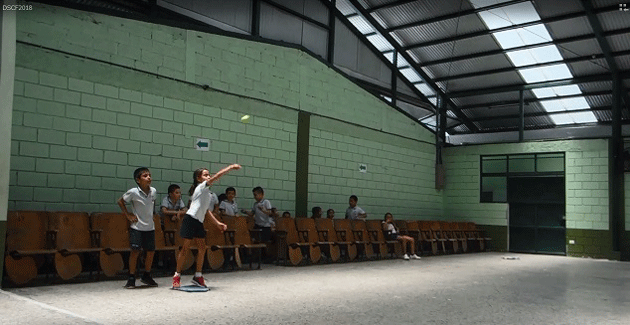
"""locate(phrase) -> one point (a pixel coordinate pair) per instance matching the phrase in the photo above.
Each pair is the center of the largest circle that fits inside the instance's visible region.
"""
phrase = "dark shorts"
(392, 236)
(142, 239)
(192, 228)
(265, 234)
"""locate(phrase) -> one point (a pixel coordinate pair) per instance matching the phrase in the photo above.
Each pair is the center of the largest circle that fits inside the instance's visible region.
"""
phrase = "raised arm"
(222, 172)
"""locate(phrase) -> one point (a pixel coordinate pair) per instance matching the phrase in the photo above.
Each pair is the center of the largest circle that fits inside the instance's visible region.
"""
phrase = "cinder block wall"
(97, 96)
(586, 177)
(400, 171)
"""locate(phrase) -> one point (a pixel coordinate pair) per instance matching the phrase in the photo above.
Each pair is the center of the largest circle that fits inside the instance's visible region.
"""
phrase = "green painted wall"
(399, 178)
(81, 126)
(586, 177)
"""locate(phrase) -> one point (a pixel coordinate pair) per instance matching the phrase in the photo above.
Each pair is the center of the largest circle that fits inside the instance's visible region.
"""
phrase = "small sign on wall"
(202, 144)
(363, 168)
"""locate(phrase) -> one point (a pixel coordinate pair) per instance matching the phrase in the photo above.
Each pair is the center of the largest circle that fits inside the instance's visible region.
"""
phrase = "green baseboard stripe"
(3, 236)
(498, 235)
(590, 243)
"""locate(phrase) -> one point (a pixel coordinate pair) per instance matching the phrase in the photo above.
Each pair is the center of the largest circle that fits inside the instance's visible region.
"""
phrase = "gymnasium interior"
(494, 131)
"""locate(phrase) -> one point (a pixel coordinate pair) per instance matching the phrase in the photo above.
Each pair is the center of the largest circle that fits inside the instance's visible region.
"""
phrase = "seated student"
(286, 214)
(317, 212)
(263, 214)
(330, 214)
(354, 212)
(172, 204)
(391, 232)
(228, 207)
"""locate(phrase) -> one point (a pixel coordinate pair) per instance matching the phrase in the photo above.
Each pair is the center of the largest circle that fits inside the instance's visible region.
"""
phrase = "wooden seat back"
(288, 225)
(360, 226)
(26, 231)
(307, 226)
(325, 224)
(376, 226)
(343, 227)
(72, 228)
(171, 231)
(114, 228)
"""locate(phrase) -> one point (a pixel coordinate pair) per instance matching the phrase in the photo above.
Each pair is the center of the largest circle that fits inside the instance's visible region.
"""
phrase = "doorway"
(537, 214)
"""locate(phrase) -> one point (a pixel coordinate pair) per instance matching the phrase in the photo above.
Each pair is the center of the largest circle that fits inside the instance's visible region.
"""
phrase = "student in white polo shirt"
(202, 203)
(142, 228)
(354, 212)
(228, 207)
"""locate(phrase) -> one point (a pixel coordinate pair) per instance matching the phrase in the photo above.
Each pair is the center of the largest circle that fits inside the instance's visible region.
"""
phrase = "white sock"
(176, 274)
(197, 274)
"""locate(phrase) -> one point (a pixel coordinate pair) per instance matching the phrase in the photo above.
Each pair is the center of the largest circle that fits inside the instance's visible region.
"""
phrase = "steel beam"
(453, 15)
(532, 100)
(525, 47)
(537, 65)
(411, 61)
(544, 84)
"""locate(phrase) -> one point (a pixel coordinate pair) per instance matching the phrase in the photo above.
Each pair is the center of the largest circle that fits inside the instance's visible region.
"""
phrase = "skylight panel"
(519, 13)
(584, 117)
(557, 91)
(411, 75)
(542, 54)
(554, 72)
(361, 24)
(380, 43)
(553, 105)
(522, 36)
(389, 56)
(425, 89)
(401, 61)
(560, 119)
(575, 103)
(345, 7)
(433, 100)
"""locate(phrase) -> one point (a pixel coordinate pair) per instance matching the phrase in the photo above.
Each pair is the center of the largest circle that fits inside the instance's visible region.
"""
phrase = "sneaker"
(146, 279)
(199, 281)
(176, 281)
(406, 257)
(416, 257)
(131, 282)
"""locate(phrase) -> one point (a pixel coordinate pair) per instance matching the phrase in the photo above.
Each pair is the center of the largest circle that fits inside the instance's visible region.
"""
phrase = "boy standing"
(228, 206)
(172, 205)
(263, 214)
(354, 212)
(142, 232)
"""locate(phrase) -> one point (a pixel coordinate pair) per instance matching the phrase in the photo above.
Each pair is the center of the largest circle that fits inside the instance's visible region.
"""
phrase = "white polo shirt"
(202, 200)
(142, 206)
(353, 213)
(261, 218)
(229, 208)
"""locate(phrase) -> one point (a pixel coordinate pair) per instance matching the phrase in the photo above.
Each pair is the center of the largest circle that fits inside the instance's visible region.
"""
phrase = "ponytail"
(196, 181)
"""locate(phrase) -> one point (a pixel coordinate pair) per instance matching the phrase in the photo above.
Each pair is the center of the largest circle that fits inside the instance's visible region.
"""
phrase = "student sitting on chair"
(317, 212)
(391, 233)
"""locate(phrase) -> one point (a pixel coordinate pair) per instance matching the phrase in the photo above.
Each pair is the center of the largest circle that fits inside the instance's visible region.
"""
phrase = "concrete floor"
(479, 288)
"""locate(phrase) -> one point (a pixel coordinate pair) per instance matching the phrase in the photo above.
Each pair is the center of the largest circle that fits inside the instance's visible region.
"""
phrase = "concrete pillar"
(7, 76)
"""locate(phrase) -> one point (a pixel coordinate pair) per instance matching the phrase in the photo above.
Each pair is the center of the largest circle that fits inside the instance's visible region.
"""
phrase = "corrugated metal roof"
(619, 42)
(441, 30)
(613, 20)
(345, 7)
(538, 121)
(587, 68)
(490, 98)
(596, 86)
(502, 124)
(599, 100)
(569, 28)
(557, 7)
(463, 47)
(623, 62)
(579, 48)
(468, 66)
(486, 81)
(605, 3)
(421, 10)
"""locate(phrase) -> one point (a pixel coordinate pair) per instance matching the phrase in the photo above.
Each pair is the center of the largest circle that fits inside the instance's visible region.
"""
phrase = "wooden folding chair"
(361, 233)
(458, 235)
(290, 245)
(221, 246)
(447, 233)
(346, 232)
(161, 243)
(375, 227)
(410, 228)
(243, 238)
(72, 237)
(172, 238)
(114, 240)
(27, 240)
(308, 230)
(327, 233)
(481, 236)
(428, 237)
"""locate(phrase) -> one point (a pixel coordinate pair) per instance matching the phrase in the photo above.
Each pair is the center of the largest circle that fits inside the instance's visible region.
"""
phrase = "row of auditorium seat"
(68, 237)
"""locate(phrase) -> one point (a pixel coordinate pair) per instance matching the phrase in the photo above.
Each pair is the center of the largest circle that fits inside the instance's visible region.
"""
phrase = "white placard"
(202, 144)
